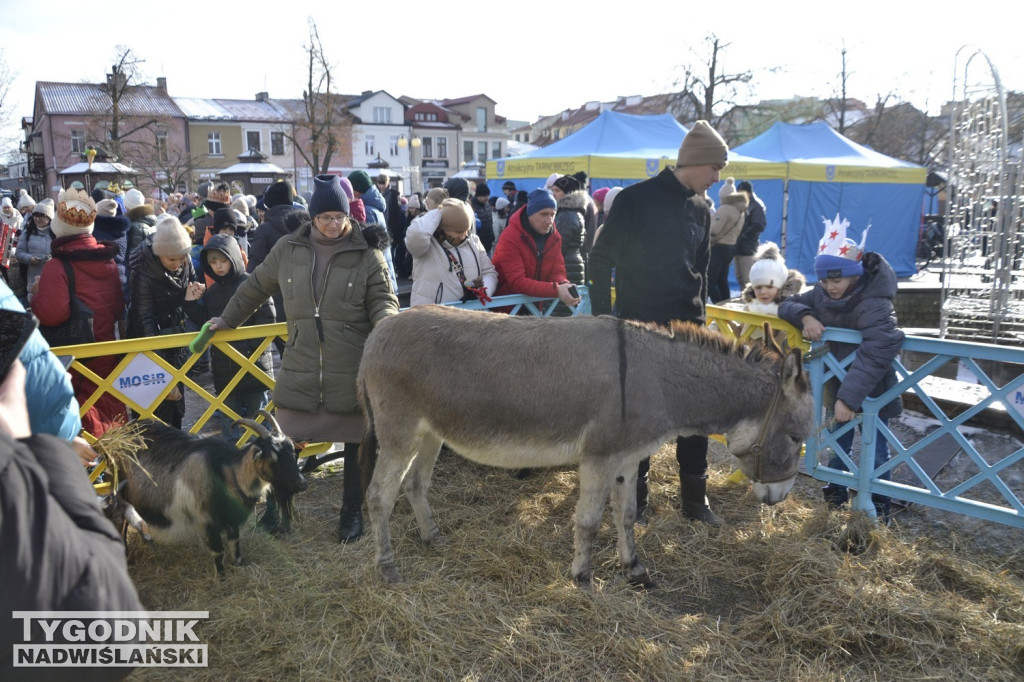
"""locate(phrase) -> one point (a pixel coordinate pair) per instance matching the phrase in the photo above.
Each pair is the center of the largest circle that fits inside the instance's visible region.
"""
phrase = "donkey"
(598, 392)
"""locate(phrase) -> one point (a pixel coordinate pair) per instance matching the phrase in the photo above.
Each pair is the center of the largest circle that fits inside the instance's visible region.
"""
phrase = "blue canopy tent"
(614, 149)
(824, 173)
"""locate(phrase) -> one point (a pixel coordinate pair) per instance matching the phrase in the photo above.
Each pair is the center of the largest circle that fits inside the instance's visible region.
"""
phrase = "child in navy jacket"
(855, 290)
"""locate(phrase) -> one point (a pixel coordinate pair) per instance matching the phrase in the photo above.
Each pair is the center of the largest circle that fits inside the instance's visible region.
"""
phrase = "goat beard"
(286, 508)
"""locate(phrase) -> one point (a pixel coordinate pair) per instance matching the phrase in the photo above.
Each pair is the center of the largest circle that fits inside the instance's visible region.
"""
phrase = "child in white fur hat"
(771, 283)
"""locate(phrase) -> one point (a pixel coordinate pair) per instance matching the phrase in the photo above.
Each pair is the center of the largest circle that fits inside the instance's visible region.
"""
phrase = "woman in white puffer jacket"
(448, 260)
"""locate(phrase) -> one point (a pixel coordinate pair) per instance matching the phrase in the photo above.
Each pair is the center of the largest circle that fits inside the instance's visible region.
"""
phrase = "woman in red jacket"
(97, 286)
(528, 256)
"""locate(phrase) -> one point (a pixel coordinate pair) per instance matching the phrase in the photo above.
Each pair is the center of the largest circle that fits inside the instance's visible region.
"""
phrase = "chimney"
(116, 81)
(262, 96)
(161, 85)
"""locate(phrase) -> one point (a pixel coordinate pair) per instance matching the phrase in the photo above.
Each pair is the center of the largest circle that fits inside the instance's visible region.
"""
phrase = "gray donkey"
(598, 392)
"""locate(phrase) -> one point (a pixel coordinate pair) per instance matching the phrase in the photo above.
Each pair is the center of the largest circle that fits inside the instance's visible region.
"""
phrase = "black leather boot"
(642, 491)
(835, 496)
(350, 525)
(693, 492)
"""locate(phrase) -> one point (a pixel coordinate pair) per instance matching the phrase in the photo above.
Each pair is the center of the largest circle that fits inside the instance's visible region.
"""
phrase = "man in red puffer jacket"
(528, 256)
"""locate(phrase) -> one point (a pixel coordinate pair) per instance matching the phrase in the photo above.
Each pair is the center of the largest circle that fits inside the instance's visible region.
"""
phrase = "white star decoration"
(835, 243)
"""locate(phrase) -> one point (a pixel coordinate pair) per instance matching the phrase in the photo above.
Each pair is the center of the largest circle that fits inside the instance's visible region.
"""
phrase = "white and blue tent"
(614, 149)
(817, 173)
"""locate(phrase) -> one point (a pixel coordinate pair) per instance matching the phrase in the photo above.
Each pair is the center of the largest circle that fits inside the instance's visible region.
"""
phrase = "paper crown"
(75, 208)
(835, 243)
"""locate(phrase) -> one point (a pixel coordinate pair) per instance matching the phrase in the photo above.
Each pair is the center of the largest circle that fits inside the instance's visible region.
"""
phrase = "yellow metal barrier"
(740, 324)
(129, 349)
(732, 323)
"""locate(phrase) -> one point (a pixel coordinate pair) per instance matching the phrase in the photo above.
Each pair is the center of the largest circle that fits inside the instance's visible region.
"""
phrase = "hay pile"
(783, 593)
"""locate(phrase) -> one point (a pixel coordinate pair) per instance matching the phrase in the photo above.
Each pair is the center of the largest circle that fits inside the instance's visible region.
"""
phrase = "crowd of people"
(327, 264)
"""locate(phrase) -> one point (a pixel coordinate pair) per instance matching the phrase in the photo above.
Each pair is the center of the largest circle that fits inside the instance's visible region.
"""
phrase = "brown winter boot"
(693, 493)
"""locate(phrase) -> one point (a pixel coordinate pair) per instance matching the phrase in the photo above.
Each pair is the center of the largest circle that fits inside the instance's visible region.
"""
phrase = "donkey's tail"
(368, 448)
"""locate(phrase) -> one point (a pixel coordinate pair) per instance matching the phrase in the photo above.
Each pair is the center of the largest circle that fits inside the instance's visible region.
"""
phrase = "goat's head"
(275, 459)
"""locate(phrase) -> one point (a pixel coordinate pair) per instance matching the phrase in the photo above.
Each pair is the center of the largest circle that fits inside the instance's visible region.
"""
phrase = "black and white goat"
(185, 484)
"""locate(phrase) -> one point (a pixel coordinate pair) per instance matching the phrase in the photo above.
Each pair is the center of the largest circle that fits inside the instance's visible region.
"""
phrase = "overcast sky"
(532, 58)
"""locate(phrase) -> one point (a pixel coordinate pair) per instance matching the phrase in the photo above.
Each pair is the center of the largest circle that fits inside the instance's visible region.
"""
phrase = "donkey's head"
(768, 445)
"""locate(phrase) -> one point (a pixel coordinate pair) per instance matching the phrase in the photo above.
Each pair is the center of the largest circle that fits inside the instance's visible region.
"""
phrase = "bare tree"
(900, 130)
(8, 140)
(320, 124)
(114, 127)
(169, 166)
(705, 86)
(836, 106)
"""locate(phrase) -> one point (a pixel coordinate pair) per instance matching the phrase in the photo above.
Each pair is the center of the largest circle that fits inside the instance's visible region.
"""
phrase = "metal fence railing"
(984, 493)
(984, 490)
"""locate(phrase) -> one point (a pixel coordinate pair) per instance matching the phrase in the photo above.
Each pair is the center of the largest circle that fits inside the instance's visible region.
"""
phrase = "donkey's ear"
(769, 339)
(793, 371)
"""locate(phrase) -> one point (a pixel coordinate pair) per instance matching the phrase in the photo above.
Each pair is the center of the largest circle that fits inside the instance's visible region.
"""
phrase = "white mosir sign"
(142, 380)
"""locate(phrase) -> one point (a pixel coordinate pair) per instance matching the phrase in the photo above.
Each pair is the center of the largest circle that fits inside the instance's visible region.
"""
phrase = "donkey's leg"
(416, 484)
(624, 511)
(594, 484)
(397, 450)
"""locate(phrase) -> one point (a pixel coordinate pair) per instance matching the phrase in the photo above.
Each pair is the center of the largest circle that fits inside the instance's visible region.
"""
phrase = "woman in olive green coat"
(336, 287)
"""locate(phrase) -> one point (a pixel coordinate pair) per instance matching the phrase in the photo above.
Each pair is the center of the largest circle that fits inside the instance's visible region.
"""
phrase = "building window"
(252, 141)
(277, 143)
(418, 116)
(161, 147)
(213, 142)
(481, 119)
(77, 141)
(393, 145)
(495, 150)
(442, 147)
(427, 147)
(467, 150)
(382, 114)
(481, 151)
(370, 145)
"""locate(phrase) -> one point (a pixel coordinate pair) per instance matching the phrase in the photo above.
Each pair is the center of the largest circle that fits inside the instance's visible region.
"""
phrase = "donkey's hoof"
(437, 540)
(641, 577)
(391, 574)
(583, 582)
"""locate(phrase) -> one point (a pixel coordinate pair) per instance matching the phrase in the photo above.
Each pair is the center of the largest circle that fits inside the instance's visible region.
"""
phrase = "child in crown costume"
(855, 290)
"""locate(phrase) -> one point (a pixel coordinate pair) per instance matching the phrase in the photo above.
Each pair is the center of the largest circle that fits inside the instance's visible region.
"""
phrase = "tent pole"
(785, 212)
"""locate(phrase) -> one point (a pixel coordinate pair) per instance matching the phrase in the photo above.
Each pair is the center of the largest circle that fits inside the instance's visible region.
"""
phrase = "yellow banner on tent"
(817, 172)
(593, 166)
(747, 169)
(614, 167)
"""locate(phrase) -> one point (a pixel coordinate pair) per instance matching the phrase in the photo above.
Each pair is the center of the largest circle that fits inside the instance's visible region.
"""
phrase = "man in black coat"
(656, 239)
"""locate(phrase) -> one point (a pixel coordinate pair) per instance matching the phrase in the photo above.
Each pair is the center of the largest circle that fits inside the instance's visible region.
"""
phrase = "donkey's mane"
(698, 334)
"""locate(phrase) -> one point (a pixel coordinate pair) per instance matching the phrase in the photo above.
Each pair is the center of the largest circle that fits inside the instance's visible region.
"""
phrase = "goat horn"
(260, 429)
(273, 422)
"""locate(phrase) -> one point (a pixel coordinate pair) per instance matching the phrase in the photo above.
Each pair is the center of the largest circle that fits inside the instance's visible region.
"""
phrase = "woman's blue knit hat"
(327, 196)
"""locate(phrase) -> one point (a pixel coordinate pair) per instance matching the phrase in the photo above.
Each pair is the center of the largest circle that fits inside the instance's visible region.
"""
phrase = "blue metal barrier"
(540, 307)
(984, 495)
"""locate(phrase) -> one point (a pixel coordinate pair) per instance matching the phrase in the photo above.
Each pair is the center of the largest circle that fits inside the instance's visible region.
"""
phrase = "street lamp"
(403, 143)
